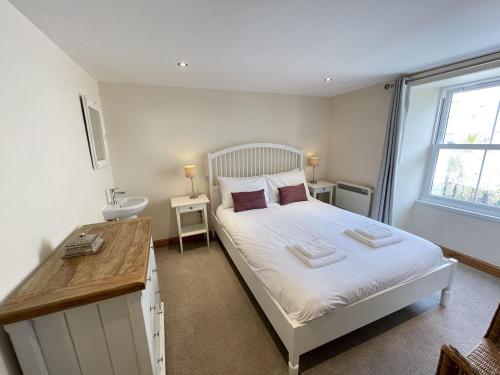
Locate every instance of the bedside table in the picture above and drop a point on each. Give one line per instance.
(184, 205)
(321, 187)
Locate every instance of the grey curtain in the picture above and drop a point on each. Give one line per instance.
(384, 192)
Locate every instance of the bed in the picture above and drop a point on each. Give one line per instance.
(310, 307)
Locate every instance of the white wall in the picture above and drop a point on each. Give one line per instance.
(154, 131)
(475, 237)
(472, 236)
(47, 184)
(417, 138)
(359, 119)
(356, 139)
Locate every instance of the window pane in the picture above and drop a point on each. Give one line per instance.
(489, 188)
(456, 174)
(472, 116)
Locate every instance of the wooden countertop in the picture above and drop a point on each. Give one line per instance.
(120, 267)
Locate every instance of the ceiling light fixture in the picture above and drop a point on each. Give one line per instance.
(328, 79)
(182, 64)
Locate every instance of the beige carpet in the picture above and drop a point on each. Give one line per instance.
(214, 326)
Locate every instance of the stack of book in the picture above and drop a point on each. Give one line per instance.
(84, 244)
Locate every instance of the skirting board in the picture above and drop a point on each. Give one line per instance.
(175, 240)
(473, 262)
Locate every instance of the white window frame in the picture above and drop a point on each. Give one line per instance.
(436, 145)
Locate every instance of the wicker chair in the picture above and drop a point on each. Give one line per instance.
(483, 359)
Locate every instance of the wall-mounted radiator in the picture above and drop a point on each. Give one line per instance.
(353, 198)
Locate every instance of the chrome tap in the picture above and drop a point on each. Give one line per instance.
(113, 192)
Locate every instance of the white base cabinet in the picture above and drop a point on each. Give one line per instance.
(122, 335)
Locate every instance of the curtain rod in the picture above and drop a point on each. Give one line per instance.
(456, 67)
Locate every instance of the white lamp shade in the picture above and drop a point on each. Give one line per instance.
(190, 171)
(313, 161)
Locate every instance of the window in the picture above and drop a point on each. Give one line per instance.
(464, 165)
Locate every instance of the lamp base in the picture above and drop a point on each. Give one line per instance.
(193, 195)
(313, 182)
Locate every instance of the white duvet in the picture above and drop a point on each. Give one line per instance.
(305, 293)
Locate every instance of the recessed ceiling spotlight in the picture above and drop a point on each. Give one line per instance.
(182, 64)
(328, 79)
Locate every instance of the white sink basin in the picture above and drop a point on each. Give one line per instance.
(126, 207)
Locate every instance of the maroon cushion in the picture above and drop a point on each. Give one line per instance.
(290, 194)
(249, 200)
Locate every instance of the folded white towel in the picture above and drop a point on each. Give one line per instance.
(374, 231)
(316, 248)
(374, 243)
(319, 262)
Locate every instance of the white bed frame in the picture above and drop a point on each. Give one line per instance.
(265, 158)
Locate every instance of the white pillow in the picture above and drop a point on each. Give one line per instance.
(230, 185)
(275, 181)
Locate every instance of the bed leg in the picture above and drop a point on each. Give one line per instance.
(445, 297)
(446, 292)
(293, 364)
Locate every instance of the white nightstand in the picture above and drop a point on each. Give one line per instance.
(184, 205)
(321, 187)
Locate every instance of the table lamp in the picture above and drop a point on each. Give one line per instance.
(313, 162)
(190, 172)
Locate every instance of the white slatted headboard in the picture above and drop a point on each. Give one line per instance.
(253, 159)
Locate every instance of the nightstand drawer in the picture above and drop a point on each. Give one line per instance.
(194, 207)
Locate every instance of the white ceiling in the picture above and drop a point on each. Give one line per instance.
(281, 46)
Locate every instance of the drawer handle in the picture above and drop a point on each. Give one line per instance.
(157, 292)
(159, 360)
(153, 270)
(160, 312)
(156, 334)
(151, 308)
(148, 278)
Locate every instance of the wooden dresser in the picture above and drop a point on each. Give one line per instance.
(92, 315)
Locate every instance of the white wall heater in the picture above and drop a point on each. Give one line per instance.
(353, 198)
